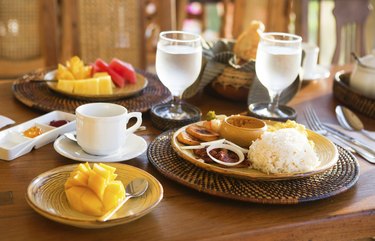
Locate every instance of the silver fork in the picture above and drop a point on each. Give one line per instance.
(315, 124)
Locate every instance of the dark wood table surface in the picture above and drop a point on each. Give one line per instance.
(186, 214)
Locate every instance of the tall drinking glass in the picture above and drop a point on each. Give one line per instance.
(278, 63)
(178, 64)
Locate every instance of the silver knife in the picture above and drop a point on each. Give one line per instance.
(350, 139)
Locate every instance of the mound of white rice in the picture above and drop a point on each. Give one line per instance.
(283, 151)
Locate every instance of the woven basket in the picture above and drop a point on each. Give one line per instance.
(350, 98)
(234, 83)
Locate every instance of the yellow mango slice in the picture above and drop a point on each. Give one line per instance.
(113, 195)
(84, 168)
(91, 204)
(74, 70)
(94, 191)
(97, 183)
(77, 179)
(103, 172)
(110, 169)
(74, 195)
(87, 72)
(75, 65)
(87, 165)
(63, 73)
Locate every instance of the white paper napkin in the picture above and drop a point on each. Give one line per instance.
(4, 121)
(355, 134)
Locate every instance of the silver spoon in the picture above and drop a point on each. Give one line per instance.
(350, 121)
(135, 188)
(71, 136)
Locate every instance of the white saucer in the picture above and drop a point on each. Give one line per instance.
(135, 146)
(320, 72)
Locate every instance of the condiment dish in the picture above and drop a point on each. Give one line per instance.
(242, 130)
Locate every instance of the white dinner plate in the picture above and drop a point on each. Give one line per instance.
(320, 72)
(135, 146)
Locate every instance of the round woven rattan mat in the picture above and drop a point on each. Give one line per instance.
(338, 179)
(37, 95)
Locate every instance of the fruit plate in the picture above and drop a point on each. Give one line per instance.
(46, 195)
(118, 93)
(325, 149)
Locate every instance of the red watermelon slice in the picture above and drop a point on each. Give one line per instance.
(125, 70)
(102, 66)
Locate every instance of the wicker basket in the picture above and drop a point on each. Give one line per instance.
(231, 81)
(233, 84)
(350, 98)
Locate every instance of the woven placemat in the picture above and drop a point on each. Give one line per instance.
(352, 99)
(37, 95)
(336, 180)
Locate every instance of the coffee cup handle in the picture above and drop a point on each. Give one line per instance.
(138, 116)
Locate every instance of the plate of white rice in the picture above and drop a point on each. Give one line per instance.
(286, 151)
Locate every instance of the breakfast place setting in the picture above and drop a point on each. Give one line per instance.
(242, 138)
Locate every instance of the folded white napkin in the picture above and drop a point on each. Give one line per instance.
(4, 121)
(355, 134)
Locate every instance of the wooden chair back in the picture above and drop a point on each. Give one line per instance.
(104, 29)
(28, 36)
(351, 18)
(273, 13)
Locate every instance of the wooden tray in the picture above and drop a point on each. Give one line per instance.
(39, 96)
(352, 99)
(342, 176)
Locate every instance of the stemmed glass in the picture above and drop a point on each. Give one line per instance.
(277, 65)
(178, 64)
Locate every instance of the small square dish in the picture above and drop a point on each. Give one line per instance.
(21, 139)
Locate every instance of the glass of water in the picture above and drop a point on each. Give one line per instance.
(278, 64)
(178, 64)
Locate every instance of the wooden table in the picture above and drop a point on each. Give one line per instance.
(186, 214)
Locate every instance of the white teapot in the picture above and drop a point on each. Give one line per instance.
(362, 78)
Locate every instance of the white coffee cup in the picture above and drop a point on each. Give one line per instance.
(310, 60)
(102, 127)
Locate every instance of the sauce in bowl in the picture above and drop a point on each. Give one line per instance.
(242, 130)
